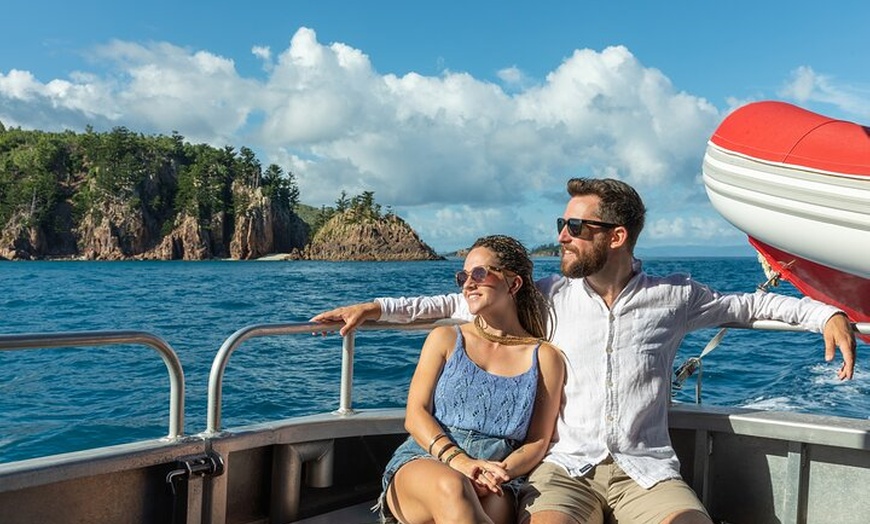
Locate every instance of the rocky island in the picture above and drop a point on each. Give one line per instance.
(367, 238)
(125, 196)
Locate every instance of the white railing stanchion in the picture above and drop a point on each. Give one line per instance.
(345, 401)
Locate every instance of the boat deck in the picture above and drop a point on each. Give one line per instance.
(358, 514)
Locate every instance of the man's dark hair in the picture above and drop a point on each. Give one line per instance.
(620, 203)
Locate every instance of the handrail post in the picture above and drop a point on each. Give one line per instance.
(345, 400)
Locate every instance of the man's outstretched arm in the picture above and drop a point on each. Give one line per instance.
(397, 310)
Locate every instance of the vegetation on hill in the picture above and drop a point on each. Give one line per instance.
(38, 169)
(546, 250)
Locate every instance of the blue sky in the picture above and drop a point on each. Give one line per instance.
(465, 117)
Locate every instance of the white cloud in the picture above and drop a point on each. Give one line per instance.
(18, 85)
(457, 156)
(264, 53)
(806, 86)
(514, 78)
(692, 229)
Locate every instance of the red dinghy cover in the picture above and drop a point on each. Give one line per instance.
(786, 134)
(781, 132)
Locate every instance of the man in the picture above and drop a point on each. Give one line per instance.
(620, 330)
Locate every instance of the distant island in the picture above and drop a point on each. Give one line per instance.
(685, 251)
(547, 250)
(728, 251)
(121, 195)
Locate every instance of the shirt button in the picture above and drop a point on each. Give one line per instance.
(609, 418)
(609, 350)
(609, 384)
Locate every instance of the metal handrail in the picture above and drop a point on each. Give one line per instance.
(107, 338)
(219, 364)
(695, 364)
(775, 325)
(215, 378)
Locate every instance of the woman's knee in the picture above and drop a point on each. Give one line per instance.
(452, 485)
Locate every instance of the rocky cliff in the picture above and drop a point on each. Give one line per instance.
(118, 231)
(354, 236)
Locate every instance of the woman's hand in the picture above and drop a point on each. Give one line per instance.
(486, 476)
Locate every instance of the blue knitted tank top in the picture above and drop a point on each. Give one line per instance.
(468, 397)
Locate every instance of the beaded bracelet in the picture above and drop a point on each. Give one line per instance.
(435, 439)
(451, 456)
(445, 448)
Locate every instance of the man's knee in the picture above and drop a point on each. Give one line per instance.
(687, 517)
(551, 517)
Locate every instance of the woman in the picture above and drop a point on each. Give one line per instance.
(483, 401)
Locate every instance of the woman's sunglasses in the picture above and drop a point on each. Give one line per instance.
(477, 274)
(575, 225)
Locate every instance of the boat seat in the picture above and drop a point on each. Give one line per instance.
(359, 514)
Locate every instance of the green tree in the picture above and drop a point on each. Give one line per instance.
(250, 168)
(365, 207)
(202, 184)
(29, 178)
(282, 189)
(343, 203)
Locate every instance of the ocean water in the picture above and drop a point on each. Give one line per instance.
(67, 399)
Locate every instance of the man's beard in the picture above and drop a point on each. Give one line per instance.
(582, 266)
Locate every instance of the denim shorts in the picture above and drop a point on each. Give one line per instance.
(475, 444)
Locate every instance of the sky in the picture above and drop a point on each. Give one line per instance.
(464, 118)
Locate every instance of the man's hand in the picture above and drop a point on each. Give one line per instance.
(352, 315)
(838, 333)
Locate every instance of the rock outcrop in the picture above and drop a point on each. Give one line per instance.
(188, 240)
(263, 228)
(350, 236)
(117, 231)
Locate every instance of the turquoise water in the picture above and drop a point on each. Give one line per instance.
(59, 400)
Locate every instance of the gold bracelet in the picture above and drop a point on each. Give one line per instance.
(435, 439)
(451, 456)
(445, 448)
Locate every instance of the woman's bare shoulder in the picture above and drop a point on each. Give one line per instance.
(442, 335)
(551, 356)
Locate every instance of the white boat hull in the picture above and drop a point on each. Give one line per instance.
(818, 216)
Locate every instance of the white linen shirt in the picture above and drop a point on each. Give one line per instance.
(619, 361)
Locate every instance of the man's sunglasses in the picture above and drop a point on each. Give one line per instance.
(575, 225)
(477, 274)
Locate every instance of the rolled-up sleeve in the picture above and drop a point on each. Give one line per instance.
(409, 309)
(709, 308)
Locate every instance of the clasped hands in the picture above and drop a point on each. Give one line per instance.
(486, 476)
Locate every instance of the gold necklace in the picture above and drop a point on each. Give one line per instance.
(507, 340)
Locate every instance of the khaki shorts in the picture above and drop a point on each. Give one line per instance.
(605, 494)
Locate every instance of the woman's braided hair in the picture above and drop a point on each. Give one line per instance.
(533, 309)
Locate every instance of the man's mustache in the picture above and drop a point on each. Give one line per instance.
(570, 249)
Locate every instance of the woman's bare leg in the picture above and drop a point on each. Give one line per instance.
(425, 490)
(502, 510)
